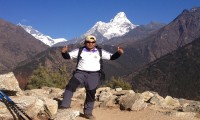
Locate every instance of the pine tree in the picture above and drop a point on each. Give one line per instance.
(44, 76)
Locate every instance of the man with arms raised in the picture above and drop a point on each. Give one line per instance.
(87, 72)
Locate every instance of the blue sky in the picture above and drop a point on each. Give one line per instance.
(72, 18)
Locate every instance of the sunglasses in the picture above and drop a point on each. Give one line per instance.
(90, 42)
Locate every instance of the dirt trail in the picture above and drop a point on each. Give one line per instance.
(146, 114)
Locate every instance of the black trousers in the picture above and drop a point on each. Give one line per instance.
(90, 80)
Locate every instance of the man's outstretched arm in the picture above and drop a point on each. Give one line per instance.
(116, 55)
(64, 52)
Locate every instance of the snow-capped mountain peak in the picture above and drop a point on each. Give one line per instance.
(38, 35)
(117, 26)
(119, 17)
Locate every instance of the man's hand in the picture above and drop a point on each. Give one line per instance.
(120, 50)
(64, 49)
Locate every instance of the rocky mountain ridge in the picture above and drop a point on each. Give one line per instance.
(181, 31)
(173, 74)
(16, 45)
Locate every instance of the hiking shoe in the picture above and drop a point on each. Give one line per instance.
(89, 116)
(62, 107)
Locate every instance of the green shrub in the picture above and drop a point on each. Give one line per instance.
(44, 76)
(118, 83)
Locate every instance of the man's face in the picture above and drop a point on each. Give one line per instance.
(90, 44)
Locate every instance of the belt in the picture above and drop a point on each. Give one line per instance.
(88, 71)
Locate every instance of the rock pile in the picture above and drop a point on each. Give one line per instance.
(42, 104)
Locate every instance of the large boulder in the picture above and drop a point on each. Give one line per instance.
(132, 101)
(8, 82)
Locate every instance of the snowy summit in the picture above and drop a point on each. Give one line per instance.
(115, 28)
(38, 35)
